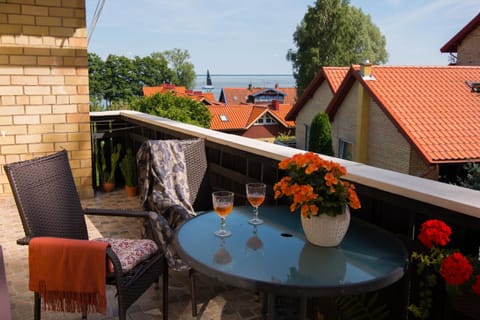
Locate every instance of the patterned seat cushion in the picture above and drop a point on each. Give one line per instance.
(131, 252)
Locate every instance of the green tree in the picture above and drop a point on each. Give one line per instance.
(182, 109)
(320, 138)
(96, 83)
(120, 76)
(151, 70)
(471, 178)
(332, 33)
(116, 80)
(184, 74)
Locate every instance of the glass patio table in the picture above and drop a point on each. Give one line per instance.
(276, 259)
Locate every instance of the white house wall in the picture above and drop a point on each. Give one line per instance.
(344, 123)
(387, 148)
(316, 104)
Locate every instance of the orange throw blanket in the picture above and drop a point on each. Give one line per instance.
(69, 274)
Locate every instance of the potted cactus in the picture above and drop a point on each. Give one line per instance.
(108, 172)
(128, 167)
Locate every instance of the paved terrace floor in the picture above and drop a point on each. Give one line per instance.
(215, 301)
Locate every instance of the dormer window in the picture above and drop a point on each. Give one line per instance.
(266, 96)
(266, 119)
(474, 85)
(224, 118)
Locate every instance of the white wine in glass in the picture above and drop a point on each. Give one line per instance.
(255, 196)
(223, 205)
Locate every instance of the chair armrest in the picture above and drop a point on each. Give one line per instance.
(116, 212)
(24, 241)
(117, 266)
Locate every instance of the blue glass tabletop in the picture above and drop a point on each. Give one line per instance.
(276, 257)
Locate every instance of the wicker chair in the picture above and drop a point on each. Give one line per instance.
(48, 203)
(199, 186)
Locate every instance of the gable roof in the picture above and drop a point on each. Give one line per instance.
(432, 106)
(207, 98)
(268, 91)
(232, 96)
(334, 77)
(452, 44)
(242, 117)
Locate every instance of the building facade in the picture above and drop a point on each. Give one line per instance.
(44, 101)
(464, 47)
(390, 117)
(314, 100)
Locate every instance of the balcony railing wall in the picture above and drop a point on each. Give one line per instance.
(394, 201)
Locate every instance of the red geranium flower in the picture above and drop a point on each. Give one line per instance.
(476, 285)
(434, 232)
(456, 269)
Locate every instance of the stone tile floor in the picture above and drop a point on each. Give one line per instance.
(215, 300)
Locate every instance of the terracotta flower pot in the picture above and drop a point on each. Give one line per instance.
(131, 191)
(108, 186)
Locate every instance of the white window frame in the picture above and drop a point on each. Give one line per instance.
(345, 149)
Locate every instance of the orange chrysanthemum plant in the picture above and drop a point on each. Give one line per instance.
(314, 186)
(456, 270)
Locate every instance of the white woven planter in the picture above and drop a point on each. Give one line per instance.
(326, 231)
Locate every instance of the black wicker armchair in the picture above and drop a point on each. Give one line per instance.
(199, 187)
(48, 203)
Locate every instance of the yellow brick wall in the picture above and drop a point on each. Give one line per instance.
(44, 101)
(318, 103)
(344, 123)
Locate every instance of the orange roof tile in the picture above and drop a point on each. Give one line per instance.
(164, 88)
(334, 77)
(452, 44)
(240, 95)
(281, 113)
(432, 106)
(232, 117)
(243, 116)
(206, 97)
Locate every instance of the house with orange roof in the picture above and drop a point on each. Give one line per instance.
(207, 98)
(464, 47)
(253, 121)
(255, 95)
(314, 99)
(418, 120)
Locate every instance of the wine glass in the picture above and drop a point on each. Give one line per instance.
(256, 196)
(254, 243)
(222, 256)
(223, 205)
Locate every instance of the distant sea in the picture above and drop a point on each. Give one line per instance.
(220, 81)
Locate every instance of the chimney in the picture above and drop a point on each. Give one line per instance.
(276, 85)
(366, 70)
(275, 104)
(250, 86)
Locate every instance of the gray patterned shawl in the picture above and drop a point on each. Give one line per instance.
(163, 188)
(163, 176)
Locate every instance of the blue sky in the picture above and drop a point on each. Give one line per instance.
(253, 36)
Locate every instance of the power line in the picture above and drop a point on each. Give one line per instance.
(96, 16)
